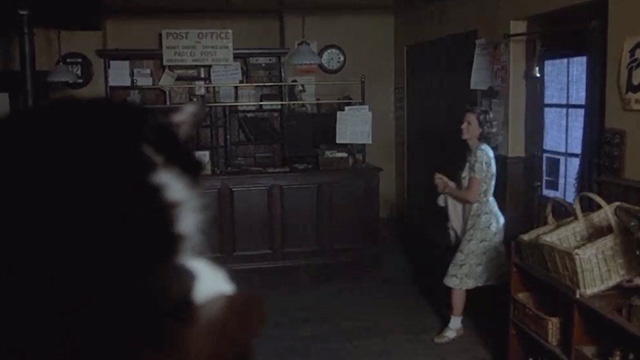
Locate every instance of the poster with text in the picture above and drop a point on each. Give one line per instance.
(482, 71)
(197, 47)
(630, 73)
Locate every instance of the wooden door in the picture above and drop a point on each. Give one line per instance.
(438, 77)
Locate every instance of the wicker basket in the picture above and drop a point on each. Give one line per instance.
(591, 254)
(527, 312)
(530, 249)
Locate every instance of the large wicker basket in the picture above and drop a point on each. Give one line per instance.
(527, 311)
(530, 249)
(591, 254)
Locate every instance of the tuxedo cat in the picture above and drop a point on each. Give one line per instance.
(105, 237)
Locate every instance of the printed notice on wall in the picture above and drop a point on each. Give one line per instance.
(482, 71)
(353, 126)
(630, 74)
(226, 74)
(197, 47)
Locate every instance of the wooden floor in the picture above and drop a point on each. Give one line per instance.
(374, 311)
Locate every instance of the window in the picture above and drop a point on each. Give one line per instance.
(565, 82)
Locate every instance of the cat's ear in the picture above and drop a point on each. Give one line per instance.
(186, 119)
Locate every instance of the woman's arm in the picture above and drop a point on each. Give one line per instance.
(468, 195)
(479, 167)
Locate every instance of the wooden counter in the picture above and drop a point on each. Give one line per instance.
(293, 218)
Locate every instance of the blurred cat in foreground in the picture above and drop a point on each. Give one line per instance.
(105, 240)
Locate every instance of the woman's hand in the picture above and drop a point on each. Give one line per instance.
(443, 184)
(467, 195)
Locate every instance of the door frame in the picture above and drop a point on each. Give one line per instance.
(550, 25)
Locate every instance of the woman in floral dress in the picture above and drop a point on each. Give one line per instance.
(480, 259)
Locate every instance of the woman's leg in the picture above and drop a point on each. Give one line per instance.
(454, 328)
(458, 299)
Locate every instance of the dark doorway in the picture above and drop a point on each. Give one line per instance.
(438, 77)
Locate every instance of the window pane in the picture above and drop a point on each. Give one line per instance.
(552, 173)
(555, 81)
(576, 130)
(572, 172)
(555, 129)
(578, 80)
(554, 182)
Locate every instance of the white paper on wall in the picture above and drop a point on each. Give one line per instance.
(226, 74)
(482, 71)
(353, 127)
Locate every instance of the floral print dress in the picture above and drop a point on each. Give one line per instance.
(481, 257)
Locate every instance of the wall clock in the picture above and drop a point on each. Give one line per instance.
(332, 59)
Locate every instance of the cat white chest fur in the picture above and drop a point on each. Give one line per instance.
(189, 224)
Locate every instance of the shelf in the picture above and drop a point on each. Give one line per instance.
(547, 278)
(234, 111)
(554, 349)
(192, 78)
(150, 54)
(263, 103)
(235, 85)
(601, 304)
(255, 143)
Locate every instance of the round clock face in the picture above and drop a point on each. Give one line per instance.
(333, 59)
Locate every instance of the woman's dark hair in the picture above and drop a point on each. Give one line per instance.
(490, 132)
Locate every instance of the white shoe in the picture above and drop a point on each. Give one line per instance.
(448, 335)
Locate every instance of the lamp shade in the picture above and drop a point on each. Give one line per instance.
(304, 55)
(62, 74)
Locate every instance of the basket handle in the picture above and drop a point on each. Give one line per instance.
(549, 210)
(600, 202)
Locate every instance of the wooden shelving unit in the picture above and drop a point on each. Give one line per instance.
(601, 305)
(546, 278)
(251, 132)
(588, 323)
(553, 349)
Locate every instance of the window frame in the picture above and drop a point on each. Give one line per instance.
(566, 155)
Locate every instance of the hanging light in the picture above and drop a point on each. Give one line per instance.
(303, 57)
(535, 71)
(61, 74)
